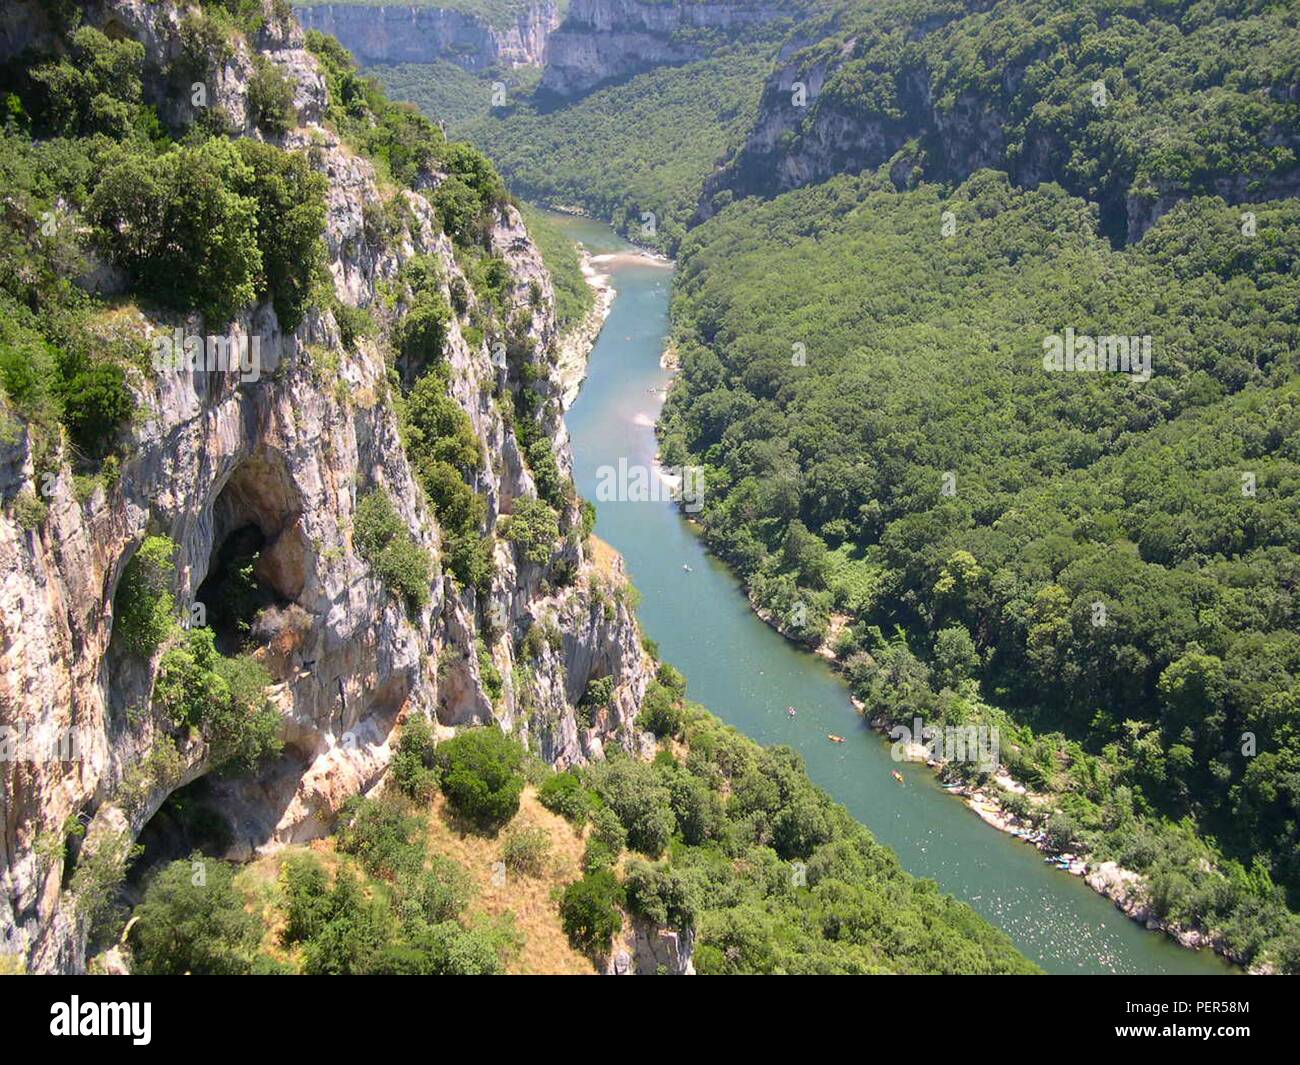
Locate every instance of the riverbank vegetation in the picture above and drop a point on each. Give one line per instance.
(881, 438)
(717, 838)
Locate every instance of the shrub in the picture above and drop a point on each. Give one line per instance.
(589, 911)
(224, 698)
(384, 541)
(384, 834)
(439, 893)
(526, 850)
(660, 894)
(599, 694)
(563, 794)
(661, 713)
(533, 529)
(481, 775)
(413, 764)
(192, 920)
(143, 606)
(95, 402)
(305, 886)
(270, 94)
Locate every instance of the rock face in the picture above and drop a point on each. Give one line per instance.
(604, 40)
(412, 33)
(803, 136)
(288, 453)
(646, 949)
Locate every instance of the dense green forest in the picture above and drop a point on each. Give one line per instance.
(659, 136)
(1110, 561)
(1124, 102)
(716, 837)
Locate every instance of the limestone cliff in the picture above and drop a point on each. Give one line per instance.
(853, 101)
(410, 33)
(289, 453)
(605, 40)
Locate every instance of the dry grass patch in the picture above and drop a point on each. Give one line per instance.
(529, 899)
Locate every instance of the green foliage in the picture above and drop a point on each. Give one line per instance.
(589, 911)
(413, 763)
(192, 921)
(661, 710)
(533, 528)
(526, 850)
(97, 880)
(406, 144)
(574, 298)
(482, 775)
(384, 541)
(826, 478)
(143, 606)
(270, 95)
(223, 698)
(406, 921)
(211, 226)
(623, 152)
(564, 794)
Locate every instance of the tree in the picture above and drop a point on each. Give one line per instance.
(589, 911)
(482, 775)
(192, 920)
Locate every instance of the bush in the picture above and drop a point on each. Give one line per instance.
(481, 775)
(143, 606)
(305, 886)
(192, 920)
(563, 794)
(223, 698)
(661, 713)
(270, 94)
(599, 695)
(589, 911)
(385, 542)
(660, 894)
(95, 402)
(384, 834)
(413, 764)
(526, 850)
(533, 529)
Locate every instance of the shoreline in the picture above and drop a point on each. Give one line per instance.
(575, 346)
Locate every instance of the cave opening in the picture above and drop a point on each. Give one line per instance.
(233, 594)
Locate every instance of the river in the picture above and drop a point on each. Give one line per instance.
(747, 674)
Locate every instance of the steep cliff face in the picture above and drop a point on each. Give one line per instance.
(288, 454)
(415, 34)
(604, 40)
(858, 100)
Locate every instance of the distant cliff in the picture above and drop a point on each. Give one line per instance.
(604, 40)
(414, 34)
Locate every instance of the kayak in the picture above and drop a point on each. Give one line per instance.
(834, 738)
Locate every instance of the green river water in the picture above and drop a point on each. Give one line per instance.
(747, 674)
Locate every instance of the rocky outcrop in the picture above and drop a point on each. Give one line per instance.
(606, 40)
(412, 33)
(288, 453)
(646, 949)
(837, 108)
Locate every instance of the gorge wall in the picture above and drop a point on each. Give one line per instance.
(606, 40)
(417, 34)
(289, 453)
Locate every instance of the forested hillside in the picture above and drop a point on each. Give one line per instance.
(1132, 105)
(1104, 564)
